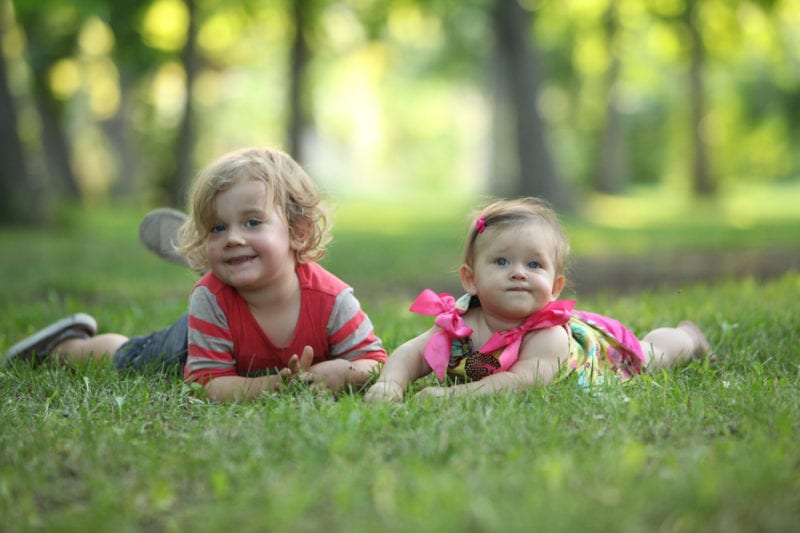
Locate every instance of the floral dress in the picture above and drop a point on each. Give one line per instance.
(600, 348)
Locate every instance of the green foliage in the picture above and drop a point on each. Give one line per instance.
(400, 93)
(707, 447)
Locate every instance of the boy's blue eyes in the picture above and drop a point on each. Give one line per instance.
(250, 223)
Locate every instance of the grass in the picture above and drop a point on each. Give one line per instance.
(700, 448)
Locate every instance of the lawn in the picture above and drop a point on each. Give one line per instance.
(707, 447)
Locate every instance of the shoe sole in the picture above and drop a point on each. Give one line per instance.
(47, 334)
(158, 232)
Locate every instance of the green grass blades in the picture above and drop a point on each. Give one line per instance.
(705, 447)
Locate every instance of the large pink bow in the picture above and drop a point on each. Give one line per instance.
(448, 319)
(553, 314)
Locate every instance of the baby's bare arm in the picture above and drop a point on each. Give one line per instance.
(406, 364)
(540, 355)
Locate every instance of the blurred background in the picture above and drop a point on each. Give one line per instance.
(622, 113)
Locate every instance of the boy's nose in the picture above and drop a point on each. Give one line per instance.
(234, 237)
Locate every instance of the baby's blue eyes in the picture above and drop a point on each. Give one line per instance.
(502, 261)
(217, 228)
(252, 223)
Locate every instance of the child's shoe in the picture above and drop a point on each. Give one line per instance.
(39, 345)
(158, 231)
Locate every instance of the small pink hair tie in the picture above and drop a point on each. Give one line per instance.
(480, 224)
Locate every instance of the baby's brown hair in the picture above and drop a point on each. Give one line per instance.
(518, 211)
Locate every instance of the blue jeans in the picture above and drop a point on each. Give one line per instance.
(163, 350)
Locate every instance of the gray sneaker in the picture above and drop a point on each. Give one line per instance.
(158, 232)
(39, 345)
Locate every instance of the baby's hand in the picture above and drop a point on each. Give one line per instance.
(385, 391)
(433, 392)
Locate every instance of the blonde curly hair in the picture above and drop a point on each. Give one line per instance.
(515, 212)
(289, 187)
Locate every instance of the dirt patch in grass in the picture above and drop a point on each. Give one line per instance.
(629, 274)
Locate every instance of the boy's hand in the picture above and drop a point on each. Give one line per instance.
(385, 391)
(297, 367)
(329, 376)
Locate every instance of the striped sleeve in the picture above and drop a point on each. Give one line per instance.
(350, 331)
(210, 339)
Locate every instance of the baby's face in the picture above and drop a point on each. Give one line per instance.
(514, 271)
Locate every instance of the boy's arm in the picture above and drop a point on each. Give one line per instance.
(336, 374)
(238, 388)
(540, 356)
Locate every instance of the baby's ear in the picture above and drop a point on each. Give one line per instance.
(558, 286)
(468, 280)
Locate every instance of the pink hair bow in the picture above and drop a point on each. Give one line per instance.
(480, 224)
(553, 314)
(448, 319)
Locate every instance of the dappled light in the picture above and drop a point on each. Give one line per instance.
(65, 78)
(664, 134)
(411, 101)
(167, 94)
(164, 25)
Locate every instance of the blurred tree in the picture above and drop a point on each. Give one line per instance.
(610, 176)
(519, 75)
(17, 202)
(178, 187)
(134, 61)
(702, 182)
(51, 29)
(299, 114)
(685, 17)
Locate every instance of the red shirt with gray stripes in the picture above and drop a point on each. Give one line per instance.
(226, 340)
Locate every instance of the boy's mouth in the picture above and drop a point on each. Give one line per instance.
(238, 260)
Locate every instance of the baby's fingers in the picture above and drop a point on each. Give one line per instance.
(384, 392)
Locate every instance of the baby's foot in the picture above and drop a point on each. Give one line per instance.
(702, 348)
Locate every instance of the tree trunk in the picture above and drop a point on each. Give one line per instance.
(18, 204)
(118, 130)
(536, 174)
(45, 48)
(702, 183)
(179, 186)
(298, 118)
(611, 175)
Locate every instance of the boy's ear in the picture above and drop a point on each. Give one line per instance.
(299, 234)
(558, 286)
(468, 280)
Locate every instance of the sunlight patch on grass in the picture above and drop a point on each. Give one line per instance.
(739, 207)
(751, 204)
(402, 214)
(635, 210)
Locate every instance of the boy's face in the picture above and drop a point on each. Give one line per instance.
(249, 247)
(513, 272)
